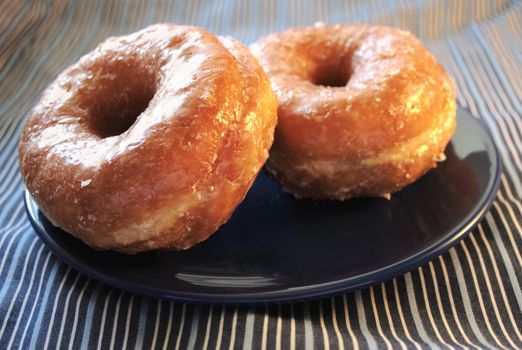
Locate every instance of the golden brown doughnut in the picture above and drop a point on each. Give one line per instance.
(151, 140)
(363, 110)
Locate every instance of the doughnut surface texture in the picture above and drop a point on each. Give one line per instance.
(363, 110)
(151, 140)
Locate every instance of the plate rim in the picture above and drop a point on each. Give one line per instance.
(336, 287)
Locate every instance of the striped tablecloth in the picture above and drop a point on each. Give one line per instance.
(468, 298)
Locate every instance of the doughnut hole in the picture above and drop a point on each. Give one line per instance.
(331, 72)
(119, 93)
(330, 76)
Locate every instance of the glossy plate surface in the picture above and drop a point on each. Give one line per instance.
(276, 247)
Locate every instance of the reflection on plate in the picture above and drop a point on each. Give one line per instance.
(276, 247)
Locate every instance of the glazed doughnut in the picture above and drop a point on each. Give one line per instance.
(151, 140)
(363, 110)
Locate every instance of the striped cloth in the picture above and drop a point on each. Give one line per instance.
(469, 297)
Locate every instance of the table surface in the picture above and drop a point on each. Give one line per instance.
(469, 297)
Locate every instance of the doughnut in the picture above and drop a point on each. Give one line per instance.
(151, 140)
(363, 110)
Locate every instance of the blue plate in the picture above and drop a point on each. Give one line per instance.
(276, 247)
